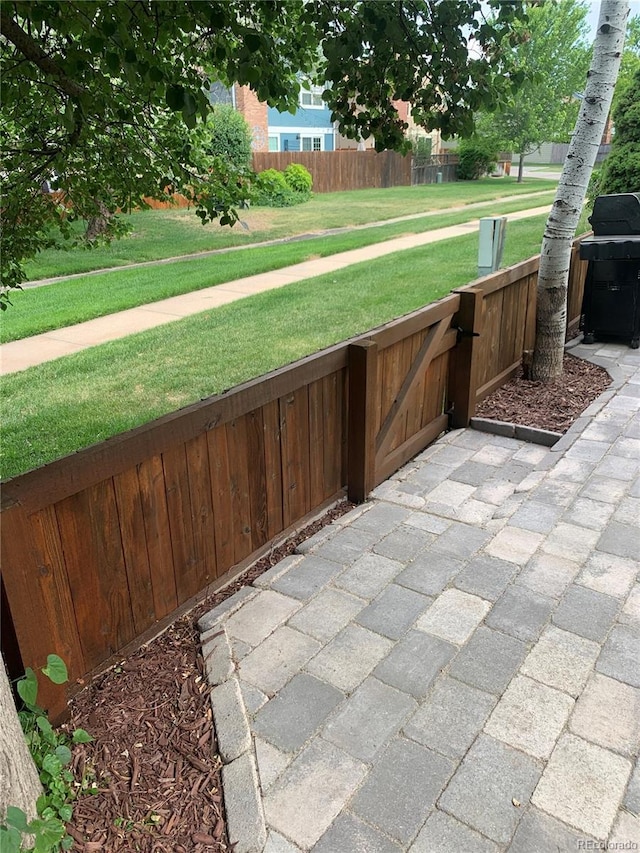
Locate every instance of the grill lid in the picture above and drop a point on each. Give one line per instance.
(616, 214)
(610, 248)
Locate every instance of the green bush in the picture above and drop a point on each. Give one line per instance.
(621, 170)
(228, 135)
(477, 157)
(298, 179)
(273, 188)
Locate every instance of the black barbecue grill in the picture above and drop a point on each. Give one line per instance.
(611, 302)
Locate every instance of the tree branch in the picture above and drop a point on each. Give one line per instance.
(32, 51)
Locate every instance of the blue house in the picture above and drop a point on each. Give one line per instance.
(309, 129)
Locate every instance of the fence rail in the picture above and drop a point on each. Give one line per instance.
(103, 547)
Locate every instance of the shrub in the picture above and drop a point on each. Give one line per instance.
(298, 179)
(621, 170)
(274, 188)
(477, 157)
(228, 136)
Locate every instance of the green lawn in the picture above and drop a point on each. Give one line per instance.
(166, 233)
(72, 402)
(63, 303)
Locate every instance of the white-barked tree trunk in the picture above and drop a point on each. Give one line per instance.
(19, 782)
(553, 276)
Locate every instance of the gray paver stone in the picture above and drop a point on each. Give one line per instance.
(326, 614)
(605, 489)
(521, 612)
(454, 616)
(536, 516)
(382, 518)
(451, 717)
(216, 655)
(583, 785)
(483, 789)
(620, 656)
(323, 778)
(229, 605)
(404, 543)
(388, 798)
(271, 664)
(540, 833)
(349, 658)
(277, 843)
(245, 818)
(394, 611)
(430, 573)
(265, 580)
(271, 762)
(632, 796)
(368, 575)
(530, 716)
(347, 545)
(589, 513)
(608, 714)
(307, 577)
(548, 575)
(230, 717)
(473, 473)
(299, 709)
(514, 545)
(415, 662)
(253, 698)
(369, 718)
(486, 576)
(586, 612)
(562, 660)
(348, 833)
(609, 574)
(489, 660)
(444, 834)
(461, 540)
(259, 617)
(620, 539)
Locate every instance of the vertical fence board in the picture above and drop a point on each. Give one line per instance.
(197, 453)
(257, 480)
(221, 495)
(333, 432)
(158, 537)
(134, 547)
(90, 536)
(239, 477)
(294, 429)
(316, 444)
(273, 467)
(176, 478)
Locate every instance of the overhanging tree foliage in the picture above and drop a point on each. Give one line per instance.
(621, 170)
(96, 95)
(553, 274)
(553, 54)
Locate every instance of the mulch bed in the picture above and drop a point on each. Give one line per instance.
(554, 406)
(154, 755)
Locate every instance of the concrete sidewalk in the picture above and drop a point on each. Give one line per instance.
(28, 352)
(455, 665)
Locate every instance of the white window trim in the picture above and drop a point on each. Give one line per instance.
(312, 91)
(312, 136)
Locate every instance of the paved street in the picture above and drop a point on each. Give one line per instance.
(455, 665)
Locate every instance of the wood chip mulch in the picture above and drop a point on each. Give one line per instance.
(554, 406)
(154, 756)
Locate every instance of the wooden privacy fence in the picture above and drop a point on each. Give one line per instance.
(102, 548)
(334, 171)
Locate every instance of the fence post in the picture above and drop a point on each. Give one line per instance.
(463, 382)
(361, 445)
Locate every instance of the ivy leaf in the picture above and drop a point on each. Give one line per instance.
(10, 840)
(28, 687)
(56, 669)
(63, 753)
(81, 736)
(16, 818)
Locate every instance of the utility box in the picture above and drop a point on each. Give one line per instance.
(611, 302)
(492, 233)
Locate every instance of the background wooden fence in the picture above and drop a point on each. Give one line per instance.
(102, 548)
(334, 171)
